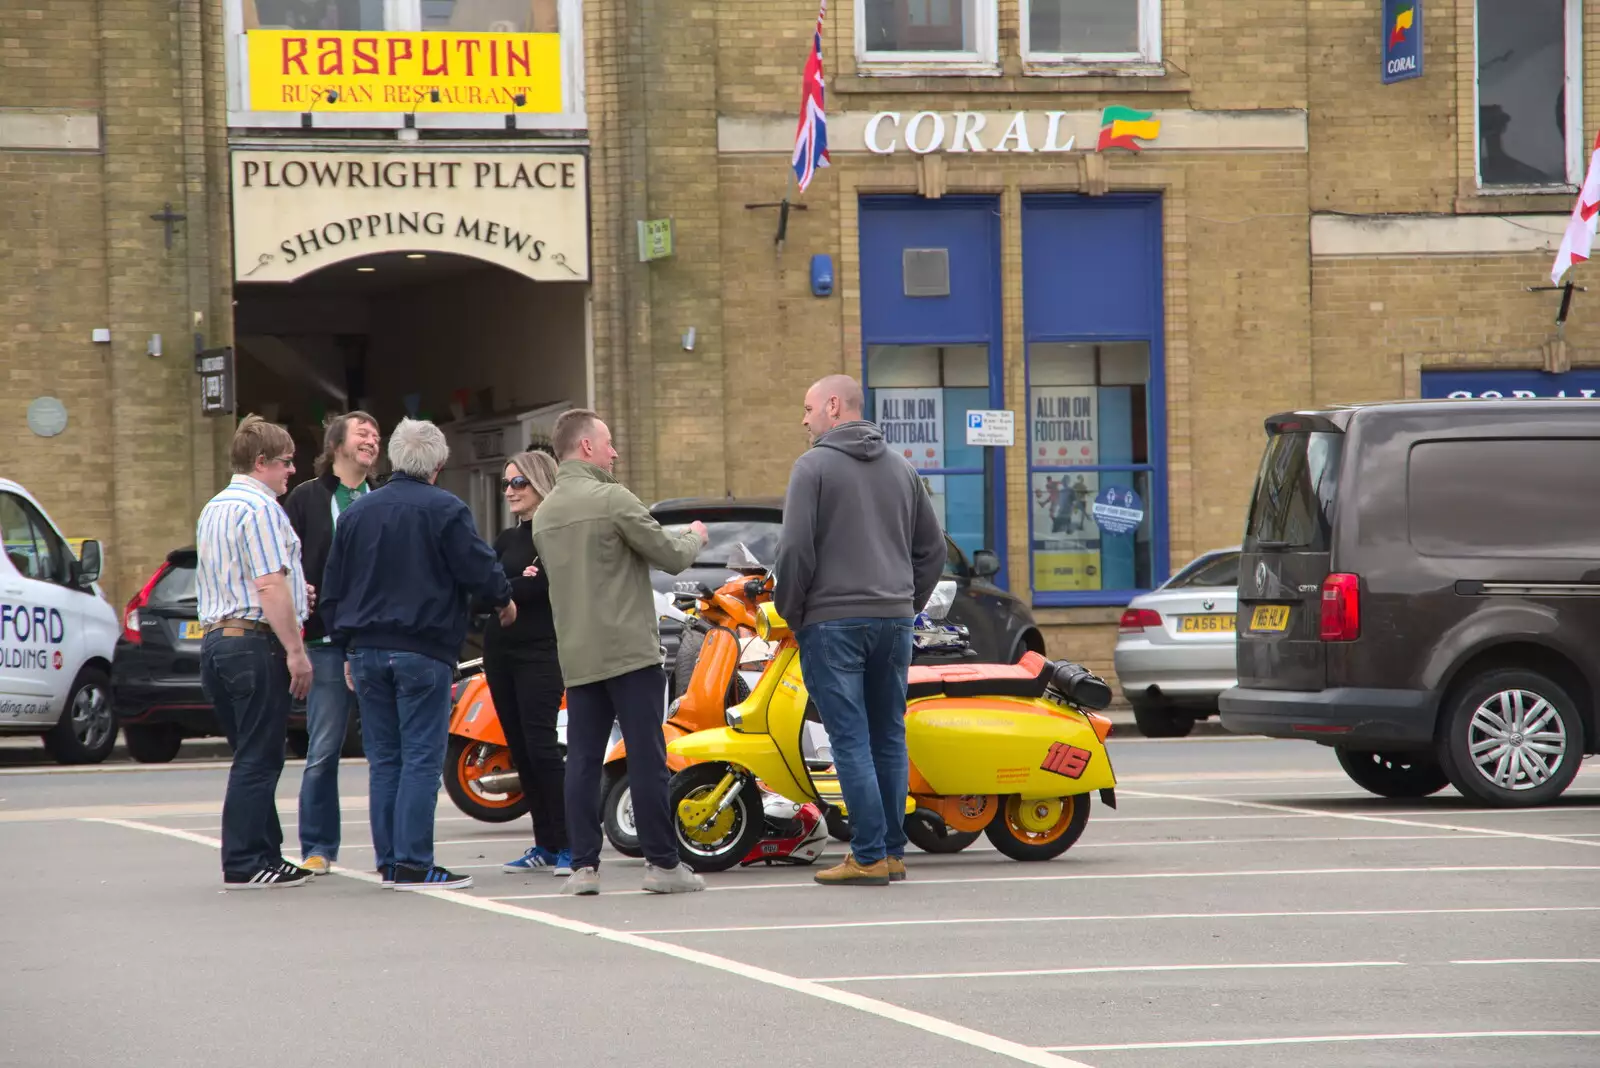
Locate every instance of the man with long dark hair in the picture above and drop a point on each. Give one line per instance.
(349, 453)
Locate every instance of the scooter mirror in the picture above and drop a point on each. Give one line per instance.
(944, 595)
(665, 609)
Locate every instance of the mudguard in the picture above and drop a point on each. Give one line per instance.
(474, 716)
(756, 753)
(998, 745)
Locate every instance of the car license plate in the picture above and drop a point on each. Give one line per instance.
(193, 630)
(1211, 624)
(1270, 617)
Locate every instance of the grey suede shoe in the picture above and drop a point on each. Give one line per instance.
(582, 881)
(674, 880)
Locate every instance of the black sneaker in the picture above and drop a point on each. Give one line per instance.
(386, 873)
(434, 878)
(275, 877)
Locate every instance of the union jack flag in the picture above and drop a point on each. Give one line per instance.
(811, 138)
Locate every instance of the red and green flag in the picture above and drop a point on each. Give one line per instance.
(1119, 126)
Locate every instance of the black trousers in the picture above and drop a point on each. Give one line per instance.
(527, 698)
(636, 701)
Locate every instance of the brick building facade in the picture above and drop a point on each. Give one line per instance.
(1283, 229)
(1296, 231)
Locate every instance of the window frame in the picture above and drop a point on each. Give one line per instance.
(1572, 28)
(1147, 60)
(405, 16)
(984, 60)
(1154, 469)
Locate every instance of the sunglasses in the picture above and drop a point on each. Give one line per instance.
(518, 483)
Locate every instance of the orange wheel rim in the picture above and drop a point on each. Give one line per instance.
(469, 769)
(1014, 808)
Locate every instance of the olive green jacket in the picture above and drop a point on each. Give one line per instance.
(597, 543)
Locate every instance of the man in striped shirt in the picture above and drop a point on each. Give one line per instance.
(253, 603)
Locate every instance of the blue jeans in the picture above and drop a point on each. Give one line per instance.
(327, 719)
(246, 679)
(855, 671)
(405, 722)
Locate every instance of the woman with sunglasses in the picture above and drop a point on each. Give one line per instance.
(524, 676)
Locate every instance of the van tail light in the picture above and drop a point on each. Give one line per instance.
(130, 615)
(1134, 620)
(1341, 608)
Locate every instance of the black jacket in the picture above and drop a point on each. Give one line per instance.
(405, 566)
(310, 508)
(533, 635)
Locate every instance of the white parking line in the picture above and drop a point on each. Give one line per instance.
(1134, 876)
(1534, 960)
(1023, 973)
(909, 1017)
(1390, 820)
(1420, 1036)
(1136, 917)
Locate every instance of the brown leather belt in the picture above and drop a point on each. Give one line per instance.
(238, 628)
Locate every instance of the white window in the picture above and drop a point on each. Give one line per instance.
(918, 36)
(1529, 94)
(1092, 32)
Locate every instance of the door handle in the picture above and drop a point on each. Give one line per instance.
(15, 591)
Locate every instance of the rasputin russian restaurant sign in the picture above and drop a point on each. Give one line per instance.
(1402, 40)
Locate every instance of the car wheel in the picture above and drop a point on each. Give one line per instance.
(88, 727)
(299, 744)
(1161, 721)
(1511, 738)
(1394, 774)
(155, 743)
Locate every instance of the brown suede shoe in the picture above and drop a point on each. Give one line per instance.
(897, 869)
(852, 874)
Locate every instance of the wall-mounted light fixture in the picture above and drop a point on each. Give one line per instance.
(331, 96)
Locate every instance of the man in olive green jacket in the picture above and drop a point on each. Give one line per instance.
(597, 542)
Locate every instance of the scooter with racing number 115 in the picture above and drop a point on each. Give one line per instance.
(1012, 750)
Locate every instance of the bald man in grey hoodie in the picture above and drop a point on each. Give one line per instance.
(860, 555)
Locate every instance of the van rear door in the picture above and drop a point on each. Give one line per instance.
(1286, 555)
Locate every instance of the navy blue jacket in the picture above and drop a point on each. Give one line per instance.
(405, 564)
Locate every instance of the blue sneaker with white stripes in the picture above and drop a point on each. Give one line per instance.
(535, 857)
(434, 878)
(564, 862)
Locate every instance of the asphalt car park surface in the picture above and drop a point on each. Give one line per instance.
(1245, 904)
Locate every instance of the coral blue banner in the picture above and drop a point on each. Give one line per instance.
(1443, 385)
(1402, 40)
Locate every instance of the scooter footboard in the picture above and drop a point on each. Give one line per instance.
(997, 745)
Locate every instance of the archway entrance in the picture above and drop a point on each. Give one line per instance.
(487, 353)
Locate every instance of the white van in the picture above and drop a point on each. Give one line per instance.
(57, 636)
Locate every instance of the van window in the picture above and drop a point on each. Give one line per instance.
(1521, 498)
(1295, 491)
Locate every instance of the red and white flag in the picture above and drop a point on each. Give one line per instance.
(811, 136)
(1575, 244)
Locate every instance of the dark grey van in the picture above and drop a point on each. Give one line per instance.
(1420, 589)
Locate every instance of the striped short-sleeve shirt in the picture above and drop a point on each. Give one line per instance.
(243, 533)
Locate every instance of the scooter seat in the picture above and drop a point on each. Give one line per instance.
(1027, 678)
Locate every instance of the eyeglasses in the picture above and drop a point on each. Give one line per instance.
(287, 461)
(517, 483)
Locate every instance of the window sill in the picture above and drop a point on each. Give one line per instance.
(1472, 201)
(1035, 80)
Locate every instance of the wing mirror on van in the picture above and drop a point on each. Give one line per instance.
(89, 564)
(985, 563)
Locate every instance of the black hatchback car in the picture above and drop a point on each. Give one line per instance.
(1000, 625)
(155, 674)
(1420, 589)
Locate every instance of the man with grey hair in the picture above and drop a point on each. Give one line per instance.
(405, 564)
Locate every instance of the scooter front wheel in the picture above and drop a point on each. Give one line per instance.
(1038, 829)
(728, 837)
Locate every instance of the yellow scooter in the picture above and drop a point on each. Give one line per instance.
(1013, 750)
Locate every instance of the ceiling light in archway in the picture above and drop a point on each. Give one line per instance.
(366, 270)
(416, 255)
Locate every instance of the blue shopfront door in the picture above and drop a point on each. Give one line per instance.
(931, 340)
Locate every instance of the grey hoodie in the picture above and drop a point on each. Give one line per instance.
(860, 537)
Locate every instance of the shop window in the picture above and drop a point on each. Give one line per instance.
(1092, 31)
(495, 16)
(931, 33)
(1529, 55)
(1090, 475)
(919, 395)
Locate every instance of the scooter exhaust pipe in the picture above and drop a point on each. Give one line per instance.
(500, 782)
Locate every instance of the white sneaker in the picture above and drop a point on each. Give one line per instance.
(583, 881)
(674, 880)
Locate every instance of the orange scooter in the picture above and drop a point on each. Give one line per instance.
(724, 621)
(479, 774)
